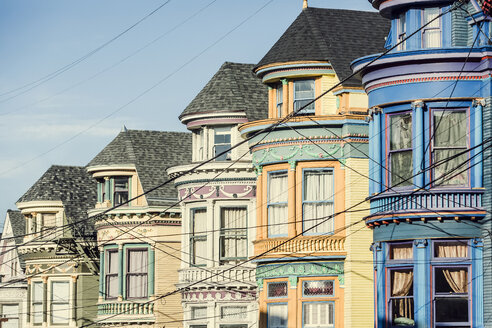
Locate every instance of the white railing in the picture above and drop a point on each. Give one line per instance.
(218, 275)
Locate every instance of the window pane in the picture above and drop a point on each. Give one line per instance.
(199, 224)
(136, 285)
(401, 168)
(430, 14)
(234, 312)
(277, 289)
(451, 249)
(304, 89)
(37, 292)
(317, 288)
(401, 252)
(137, 261)
(450, 169)
(60, 292)
(10, 310)
(318, 213)
(233, 241)
(112, 286)
(277, 315)
(402, 312)
(11, 323)
(450, 129)
(277, 220)
(318, 185)
(60, 313)
(112, 264)
(451, 281)
(318, 314)
(402, 282)
(277, 195)
(277, 187)
(198, 312)
(451, 309)
(37, 313)
(49, 220)
(401, 131)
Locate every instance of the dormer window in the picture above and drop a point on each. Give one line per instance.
(431, 34)
(115, 190)
(402, 30)
(303, 94)
(120, 190)
(222, 143)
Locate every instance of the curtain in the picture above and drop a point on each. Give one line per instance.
(233, 234)
(318, 314)
(277, 203)
(400, 252)
(401, 284)
(199, 236)
(319, 194)
(137, 273)
(60, 298)
(432, 32)
(457, 279)
(401, 138)
(452, 249)
(112, 286)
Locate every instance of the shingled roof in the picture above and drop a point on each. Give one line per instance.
(74, 187)
(18, 224)
(335, 35)
(152, 152)
(233, 88)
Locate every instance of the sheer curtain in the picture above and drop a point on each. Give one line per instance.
(277, 203)
(432, 32)
(401, 159)
(318, 201)
(233, 233)
(402, 282)
(401, 252)
(199, 236)
(112, 274)
(137, 273)
(60, 298)
(457, 278)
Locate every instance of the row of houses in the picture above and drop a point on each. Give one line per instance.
(266, 213)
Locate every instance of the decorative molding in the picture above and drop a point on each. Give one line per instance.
(417, 103)
(420, 243)
(298, 152)
(478, 101)
(376, 247)
(218, 295)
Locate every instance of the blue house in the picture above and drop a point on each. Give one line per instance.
(430, 165)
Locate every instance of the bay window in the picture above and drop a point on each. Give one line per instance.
(111, 274)
(401, 303)
(198, 237)
(449, 148)
(431, 34)
(136, 273)
(279, 92)
(277, 196)
(60, 302)
(233, 234)
(37, 302)
(10, 312)
(318, 201)
(400, 149)
(277, 315)
(303, 94)
(222, 143)
(318, 314)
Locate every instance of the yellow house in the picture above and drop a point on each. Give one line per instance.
(314, 266)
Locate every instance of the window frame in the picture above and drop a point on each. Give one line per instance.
(228, 155)
(390, 152)
(399, 261)
(332, 303)
(122, 191)
(37, 302)
(401, 31)
(18, 317)
(270, 204)
(269, 305)
(279, 99)
(239, 234)
(304, 202)
(389, 298)
(53, 300)
(425, 29)
(193, 237)
(305, 111)
(302, 282)
(277, 282)
(462, 148)
(128, 274)
(112, 274)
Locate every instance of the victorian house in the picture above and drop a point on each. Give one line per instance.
(13, 286)
(430, 198)
(58, 249)
(138, 223)
(313, 258)
(218, 202)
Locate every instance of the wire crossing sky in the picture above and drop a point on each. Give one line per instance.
(40, 37)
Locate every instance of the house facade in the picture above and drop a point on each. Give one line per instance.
(430, 124)
(218, 202)
(311, 255)
(138, 237)
(59, 249)
(13, 286)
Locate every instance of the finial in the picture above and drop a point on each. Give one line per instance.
(124, 129)
(304, 4)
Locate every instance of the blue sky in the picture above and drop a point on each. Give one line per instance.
(63, 121)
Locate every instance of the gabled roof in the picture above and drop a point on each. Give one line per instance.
(233, 88)
(71, 185)
(335, 35)
(152, 152)
(18, 224)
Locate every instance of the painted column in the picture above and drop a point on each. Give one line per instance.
(418, 143)
(271, 97)
(28, 307)
(477, 281)
(421, 283)
(74, 299)
(291, 183)
(102, 274)
(107, 190)
(151, 270)
(45, 300)
(371, 155)
(478, 136)
(120, 272)
(379, 259)
(285, 91)
(377, 151)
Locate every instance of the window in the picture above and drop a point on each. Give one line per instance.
(280, 99)
(318, 314)
(233, 234)
(314, 288)
(199, 144)
(222, 143)
(277, 289)
(303, 94)
(234, 312)
(37, 302)
(450, 139)
(101, 191)
(198, 237)
(277, 315)
(401, 251)
(198, 313)
(400, 150)
(11, 312)
(136, 273)
(112, 274)
(48, 225)
(120, 195)
(431, 34)
(318, 201)
(402, 30)
(277, 204)
(401, 297)
(60, 302)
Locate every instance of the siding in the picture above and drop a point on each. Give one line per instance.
(328, 102)
(459, 29)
